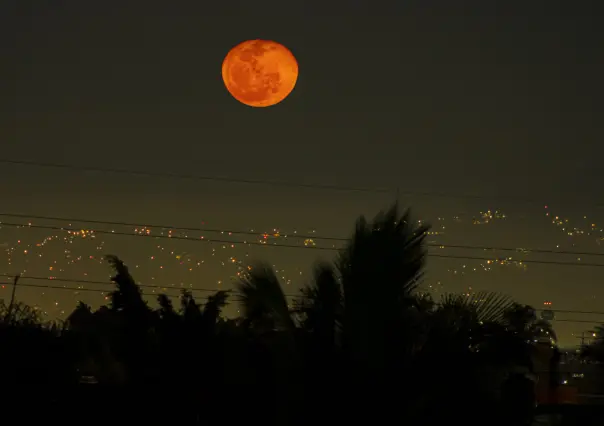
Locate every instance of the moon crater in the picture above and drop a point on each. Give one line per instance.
(260, 73)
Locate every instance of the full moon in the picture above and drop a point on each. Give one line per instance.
(260, 73)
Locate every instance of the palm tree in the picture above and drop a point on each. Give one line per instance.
(127, 297)
(132, 341)
(319, 309)
(265, 306)
(380, 270)
(450, 352)
(357, 306)
(212, 310)
(527, 336)
(115, 339)
(462, 325)
(267, 318)
(366, 312)
(374, 277)
(191, 349)
(166, 309)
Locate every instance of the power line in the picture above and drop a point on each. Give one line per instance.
(71, 280)
(542, 262)
(210, 290)
(573, 311)
(95, 290)
(142, 224)
(295, 235)
(341, 188)
(495, 248)
(111, 283)
(577, 321)
(75, 289)
(196, 177)
(249, 243)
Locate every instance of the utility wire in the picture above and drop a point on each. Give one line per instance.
(111, 283)
(95, 290)
(210, 290)
(294, 235)
(541, 262)
(250, 243)
(75, 289)
(393, 191)
(195, 177)
(72, 280)
(142, 224)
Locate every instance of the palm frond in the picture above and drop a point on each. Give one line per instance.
(213, 307)
(424, 302)
(127, 294)
(320, 306)
(190, 309)
(81, 316)
(165, 304)
(384, 259)
(380, 269)
(484, 306)
(519, 318)
(262, 297)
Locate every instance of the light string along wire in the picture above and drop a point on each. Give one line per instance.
(275, 245)
(165, 288)
(252, 243)
(293, 235)
(286, 184)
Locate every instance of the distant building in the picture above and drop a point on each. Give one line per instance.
(547, 313)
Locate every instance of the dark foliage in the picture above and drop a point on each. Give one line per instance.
(361, 342)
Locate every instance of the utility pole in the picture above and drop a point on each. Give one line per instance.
(12, 298)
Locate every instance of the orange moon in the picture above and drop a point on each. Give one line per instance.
(260, 73)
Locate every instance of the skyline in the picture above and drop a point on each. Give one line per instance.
(496, 101)
(444, 275)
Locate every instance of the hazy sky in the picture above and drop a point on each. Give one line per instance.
(487, 97)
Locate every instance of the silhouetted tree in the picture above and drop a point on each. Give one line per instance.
(359, 306)
(380, 269)
(360, 342)
(595, 350)
(365, 312)
(319, 309)
(450, 362)
(20, 314)
(524, 333)
(33, 350)
(267, 317)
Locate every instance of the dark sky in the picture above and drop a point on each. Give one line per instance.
(495, 98)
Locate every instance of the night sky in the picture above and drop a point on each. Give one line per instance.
(497, 100)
